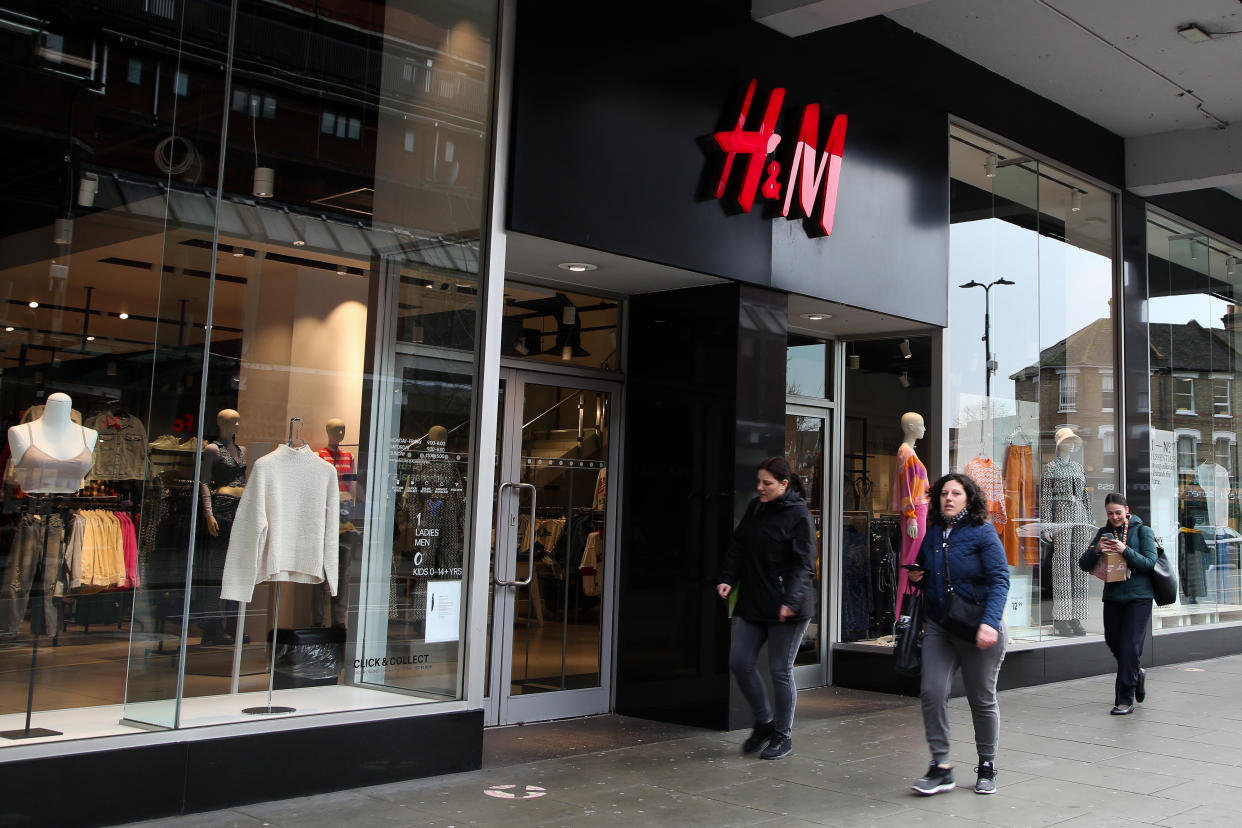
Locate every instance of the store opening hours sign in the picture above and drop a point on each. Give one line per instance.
(813, 176)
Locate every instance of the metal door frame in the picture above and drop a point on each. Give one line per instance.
(818, 675)
(501, 708)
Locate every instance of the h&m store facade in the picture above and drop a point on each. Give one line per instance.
(543, 300)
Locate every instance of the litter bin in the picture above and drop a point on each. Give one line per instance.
(309, 656)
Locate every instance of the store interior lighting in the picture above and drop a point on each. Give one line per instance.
(905, 349)
(63, 231)
(264, 182)
(1231, 264)
(1075, 201)
(88, 186)
(989, 166)
(904, 379)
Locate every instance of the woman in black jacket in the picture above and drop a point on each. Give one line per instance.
(1127, 604)
(771, 563)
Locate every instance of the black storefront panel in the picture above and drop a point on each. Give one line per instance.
(615, 148)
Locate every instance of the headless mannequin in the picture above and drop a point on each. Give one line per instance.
(222, 477)
(910, 497)
(58, 438)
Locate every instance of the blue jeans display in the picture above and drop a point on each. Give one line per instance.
(38, 540)
(783, 640)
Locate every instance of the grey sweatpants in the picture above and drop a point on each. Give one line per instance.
(942, 655)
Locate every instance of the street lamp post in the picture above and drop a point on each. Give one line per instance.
(989, 366)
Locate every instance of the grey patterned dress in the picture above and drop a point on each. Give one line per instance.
(1063, 500)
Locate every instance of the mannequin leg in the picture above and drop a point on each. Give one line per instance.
(909, 551)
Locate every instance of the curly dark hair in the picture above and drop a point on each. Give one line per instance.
(976, 503)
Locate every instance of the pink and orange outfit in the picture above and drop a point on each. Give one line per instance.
(910, 497)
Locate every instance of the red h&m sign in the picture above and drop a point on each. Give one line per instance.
(809, 171)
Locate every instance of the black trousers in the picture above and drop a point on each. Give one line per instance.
(1125, 629)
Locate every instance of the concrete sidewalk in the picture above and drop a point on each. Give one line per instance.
(1063, 760)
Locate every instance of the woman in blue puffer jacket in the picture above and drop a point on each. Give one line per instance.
(960, 534)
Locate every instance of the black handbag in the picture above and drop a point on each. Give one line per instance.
(908, 635)
(960, 617)
(1163, 581)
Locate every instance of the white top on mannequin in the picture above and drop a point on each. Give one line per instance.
(1214, 480)
(64, 449)
(913, 428)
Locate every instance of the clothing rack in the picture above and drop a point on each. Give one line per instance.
(46, 505)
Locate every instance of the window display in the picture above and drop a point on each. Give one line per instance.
(885, 485)
(1194, 335)
(1031, 413)
(214, 504)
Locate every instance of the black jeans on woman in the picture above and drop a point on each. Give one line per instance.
(1125, 630)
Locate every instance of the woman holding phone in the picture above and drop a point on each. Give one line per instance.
(1127, 604)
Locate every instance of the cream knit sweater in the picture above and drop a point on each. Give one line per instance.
(286, 524)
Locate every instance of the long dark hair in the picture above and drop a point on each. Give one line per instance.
(976, 505)
(778, 467)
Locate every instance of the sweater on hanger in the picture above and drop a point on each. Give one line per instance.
(286, 528)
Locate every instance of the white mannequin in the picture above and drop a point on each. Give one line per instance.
(227, 421)
(913, 428)
(56, 435)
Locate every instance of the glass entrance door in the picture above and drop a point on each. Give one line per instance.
(551, 630)
(806, 441)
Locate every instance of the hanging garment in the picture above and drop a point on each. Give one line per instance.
(1193, 555)
(592, 566)
(910, 497)
(1019, 506)
(286, 528)
(121, 451)
(601, 491)
(1065, 509)
(38, 541)
(987, 476)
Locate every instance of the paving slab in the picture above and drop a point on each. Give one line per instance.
(1063, 761)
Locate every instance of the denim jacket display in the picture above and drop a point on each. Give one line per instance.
(121, 452)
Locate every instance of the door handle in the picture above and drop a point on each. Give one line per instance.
(530, 548)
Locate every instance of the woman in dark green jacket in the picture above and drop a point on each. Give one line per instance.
(1127, 604)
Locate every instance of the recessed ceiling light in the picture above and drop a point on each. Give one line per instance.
(299, 242)
(90, 339)
(815, 317)
(9, 329)
(577, 267)
(123, 315)
(34, 304)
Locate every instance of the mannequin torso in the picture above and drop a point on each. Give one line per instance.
(52, 453)
(223, 470)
